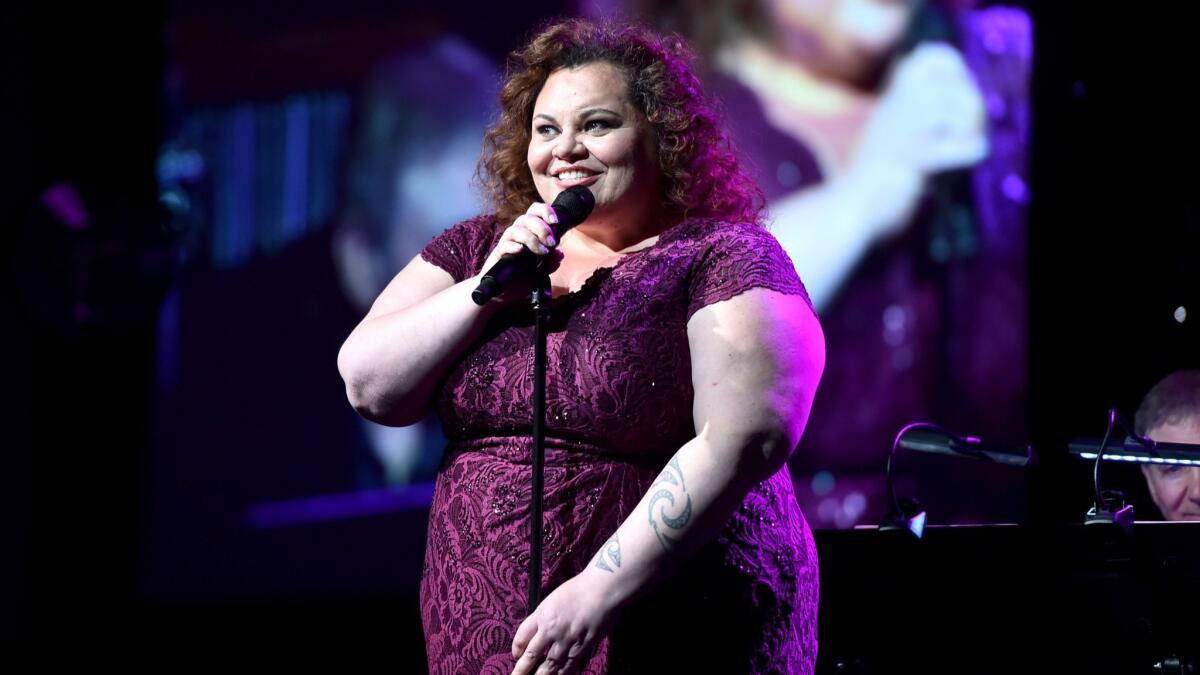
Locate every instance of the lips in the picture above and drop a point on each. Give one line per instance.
(573, 172)
(570, 178)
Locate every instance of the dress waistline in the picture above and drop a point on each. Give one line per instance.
(559, 452)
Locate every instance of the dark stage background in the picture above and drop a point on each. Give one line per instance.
(195, 202)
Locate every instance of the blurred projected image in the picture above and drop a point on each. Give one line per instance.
(414, 156)
(294, 212)
(890, 140)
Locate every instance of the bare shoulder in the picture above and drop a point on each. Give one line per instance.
(758, 320)
(757, 359)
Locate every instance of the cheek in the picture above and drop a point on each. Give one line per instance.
(532, 158)
(632, 154)
(650, 153)
(1171, 491)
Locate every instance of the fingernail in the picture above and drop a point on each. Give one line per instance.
(543, 249)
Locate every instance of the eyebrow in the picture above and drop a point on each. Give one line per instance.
(587, 112)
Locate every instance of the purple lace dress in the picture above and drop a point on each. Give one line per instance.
(619, 405)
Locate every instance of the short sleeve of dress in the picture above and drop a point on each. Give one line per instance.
(462, 249)
(735, 258)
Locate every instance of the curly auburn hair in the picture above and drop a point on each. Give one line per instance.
(702, 176)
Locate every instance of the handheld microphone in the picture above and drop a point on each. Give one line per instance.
(953, 226)
(572, 206)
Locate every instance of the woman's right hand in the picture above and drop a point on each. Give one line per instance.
(529, 231)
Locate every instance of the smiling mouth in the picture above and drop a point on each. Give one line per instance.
(570, 179)
(574, 175)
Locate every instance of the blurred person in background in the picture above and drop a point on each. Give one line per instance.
(420, 128)
(271, 319)
(890, 138)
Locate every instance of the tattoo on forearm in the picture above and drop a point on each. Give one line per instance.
(609, 557)
(669, 483)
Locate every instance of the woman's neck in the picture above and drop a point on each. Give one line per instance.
(615, 234)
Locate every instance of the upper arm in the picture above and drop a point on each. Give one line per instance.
(756, 360)
(417, 281)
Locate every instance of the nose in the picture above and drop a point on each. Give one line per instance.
(568, 147)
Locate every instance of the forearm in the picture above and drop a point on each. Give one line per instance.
(687, 505)
(824, 233)
(828, 228)
(392, 363)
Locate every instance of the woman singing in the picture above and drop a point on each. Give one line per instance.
(683, 358)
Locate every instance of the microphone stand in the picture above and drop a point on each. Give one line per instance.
(541, 313)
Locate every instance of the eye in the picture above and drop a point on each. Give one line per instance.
(546, 130)
(597, 126)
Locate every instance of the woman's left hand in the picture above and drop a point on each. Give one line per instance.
(563, 632)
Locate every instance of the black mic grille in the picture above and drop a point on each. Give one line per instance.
(573, 205)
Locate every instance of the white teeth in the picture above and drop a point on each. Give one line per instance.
(573, 175)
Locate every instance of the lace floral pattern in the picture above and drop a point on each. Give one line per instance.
(618, 407)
